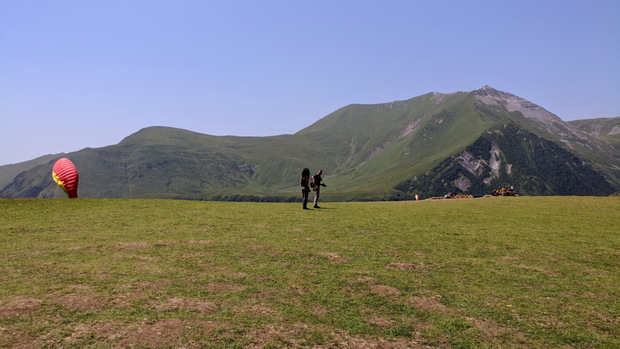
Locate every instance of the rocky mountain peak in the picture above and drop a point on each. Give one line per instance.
(488, 91)
(490, 96)
(544, 119)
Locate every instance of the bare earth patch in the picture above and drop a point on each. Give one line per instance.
(380, 321)
(76, 301)
(135, 245)
(166, 332)
(191, 304)
(222, 286)
(18, 305)
(136, 291)
(405, 266)
(334, 257)
(538, 269)
(491, 329)
(427, 303)
(280, 337)
(383, 290)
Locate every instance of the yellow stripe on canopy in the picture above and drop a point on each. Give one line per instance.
(59, 182)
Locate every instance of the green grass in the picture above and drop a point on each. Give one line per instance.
(500, 272)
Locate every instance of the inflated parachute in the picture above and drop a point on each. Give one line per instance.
(66, 176)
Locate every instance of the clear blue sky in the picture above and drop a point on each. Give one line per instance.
(76, 74)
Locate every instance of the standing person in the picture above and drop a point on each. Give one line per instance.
(316, 180)
(305, 187)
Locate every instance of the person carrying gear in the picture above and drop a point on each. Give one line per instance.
(316, 184)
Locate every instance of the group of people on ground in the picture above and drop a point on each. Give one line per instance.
(504, 192)
(306, 183)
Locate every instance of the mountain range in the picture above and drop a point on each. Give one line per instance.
(468, 142)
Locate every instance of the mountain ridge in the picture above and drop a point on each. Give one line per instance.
(365, 150)
(509, 154)
(607, 129)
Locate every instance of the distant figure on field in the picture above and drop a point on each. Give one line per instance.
(510, 191)
(316, 185)
(450, 195)
(305, 187)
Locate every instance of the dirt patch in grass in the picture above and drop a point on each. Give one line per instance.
(400, 266)
(380, 321)
(491, 330)
(135, 245)
(549, 273)
(271, 335)
(130, 292)
(76, 301)
(405, 266)
(374, 343)
(256, 309)
(166, 332)
(80, 297)
(366, 279)
(488, 327)
(225, 287)
(261, 248)
(18, 305)
(193, 255)
(191, 304)
(427, 304)
(384, 290)
(178, 333)
(295, 337)
(334, 257)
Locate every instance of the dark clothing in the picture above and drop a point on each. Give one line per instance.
(317, 180)
(304, 196)
(305, 190)
(317, 188)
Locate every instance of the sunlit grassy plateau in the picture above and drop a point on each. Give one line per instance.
(485, 272)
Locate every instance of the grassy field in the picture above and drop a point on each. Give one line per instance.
(494, 272)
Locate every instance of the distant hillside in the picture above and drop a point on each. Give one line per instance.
(163, 162)
(506, 156)
(607, 129)
(367, 152)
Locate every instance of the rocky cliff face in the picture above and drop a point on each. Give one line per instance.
(506, 156)
(545, 120)
(600, 152)
(490, 96)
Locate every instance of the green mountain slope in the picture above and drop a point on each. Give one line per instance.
(169, 162)
(507, 155)
(374, 146)
(606, 129)
(364, 150)
(8, 172)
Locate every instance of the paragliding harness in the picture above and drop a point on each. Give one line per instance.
(312, 183)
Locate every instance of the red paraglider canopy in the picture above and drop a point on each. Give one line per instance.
(66, 176)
